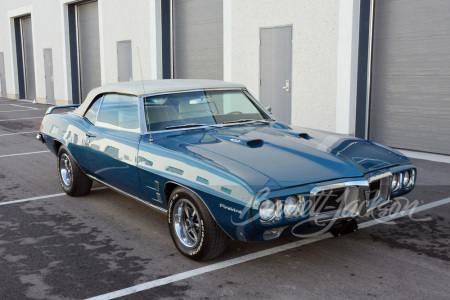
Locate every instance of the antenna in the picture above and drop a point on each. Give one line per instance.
(143, 88)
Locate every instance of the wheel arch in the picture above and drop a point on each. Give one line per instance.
(56, 145)
(170, 186)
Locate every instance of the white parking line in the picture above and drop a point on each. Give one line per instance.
(256, 255)
(32, 199)
(44, 197)
(16, 133)
(21, 119)
(16, 110)
(19, 154)
(20, 100)
(24, 106)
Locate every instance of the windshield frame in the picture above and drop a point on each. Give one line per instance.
(143, 123)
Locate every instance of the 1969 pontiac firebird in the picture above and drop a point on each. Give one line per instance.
(214, 160)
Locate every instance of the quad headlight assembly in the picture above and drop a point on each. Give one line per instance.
(405, 180)
(271, 210)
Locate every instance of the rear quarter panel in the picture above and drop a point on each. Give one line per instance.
(69, 130)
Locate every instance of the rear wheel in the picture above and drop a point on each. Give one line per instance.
(193, 229)
(73, 180)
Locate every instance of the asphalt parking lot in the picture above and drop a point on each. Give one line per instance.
(53, 246)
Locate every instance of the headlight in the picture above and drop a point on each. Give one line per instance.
(395, 182)
(411, 174)
(267, 210)
(294, 207)
(270, 210)
(405, 181)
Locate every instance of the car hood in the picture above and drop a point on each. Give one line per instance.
(284, 155)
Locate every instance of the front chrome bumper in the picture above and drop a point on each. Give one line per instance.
(40, 137)
(349, 200)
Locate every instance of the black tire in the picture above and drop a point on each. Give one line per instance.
(211, 241)
(73, 180)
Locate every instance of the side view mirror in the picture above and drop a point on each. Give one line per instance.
(269, 109)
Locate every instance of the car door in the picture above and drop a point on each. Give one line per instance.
(112, 141)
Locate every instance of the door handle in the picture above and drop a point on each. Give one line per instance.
(90, 135)
(287, 86)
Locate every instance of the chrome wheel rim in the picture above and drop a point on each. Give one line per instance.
(187, 223)
(65, 169)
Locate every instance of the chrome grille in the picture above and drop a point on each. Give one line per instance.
(329, 200)
(349, 199)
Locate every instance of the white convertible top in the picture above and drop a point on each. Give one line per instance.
(147, 87)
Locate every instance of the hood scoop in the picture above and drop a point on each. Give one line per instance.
(255, 143)
(252, 143)
(305, 136)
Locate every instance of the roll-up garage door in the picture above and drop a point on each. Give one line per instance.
(198, 39)
(88, 47)
(410, 94)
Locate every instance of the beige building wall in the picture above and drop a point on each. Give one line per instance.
(314, 52)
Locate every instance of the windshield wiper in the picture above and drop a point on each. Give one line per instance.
(246, 120)
(191, 125)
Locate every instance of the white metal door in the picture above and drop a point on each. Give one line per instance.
(276, 70)
(48, 68)
(124, 61)
(28, 58)
(2, 76)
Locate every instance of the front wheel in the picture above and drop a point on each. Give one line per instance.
(193, 230)
(73, 180)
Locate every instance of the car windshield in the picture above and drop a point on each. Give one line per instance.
(200, 108)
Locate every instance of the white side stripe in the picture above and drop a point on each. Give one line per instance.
(245, 258)
(19, 154)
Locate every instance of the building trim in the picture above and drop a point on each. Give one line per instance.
(166, 39)
(369, 71)
(102, 43)
(347, 66)
(227, 41)
(156, 68)
(363, 77)
(369, 66)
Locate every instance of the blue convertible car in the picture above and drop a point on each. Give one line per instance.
(211, 157)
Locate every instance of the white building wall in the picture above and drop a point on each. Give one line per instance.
(324, 49)
(119, 20)
(126, 20)
(315, 39)
(45, 35)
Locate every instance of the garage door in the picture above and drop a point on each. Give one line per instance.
(198, 39)
(410, 97)
(88, 47)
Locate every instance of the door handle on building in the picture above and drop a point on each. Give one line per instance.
(287, 86)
